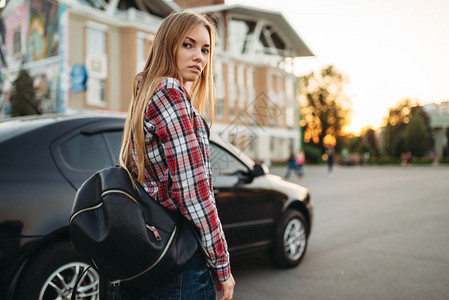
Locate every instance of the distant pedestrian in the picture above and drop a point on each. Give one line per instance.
(406, 159)
(330, 159)
(291, 164)
(300, 160)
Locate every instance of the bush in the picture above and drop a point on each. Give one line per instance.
(444, 160)
(385, 160)
(422, 160)
(313, 154)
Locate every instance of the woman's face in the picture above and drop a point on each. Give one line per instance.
(192, 55)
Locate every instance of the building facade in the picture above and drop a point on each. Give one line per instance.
(439, 122)
(84, 55)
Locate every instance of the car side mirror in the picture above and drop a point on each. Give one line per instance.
(259, 170)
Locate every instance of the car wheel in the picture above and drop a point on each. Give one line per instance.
(291, 240)
(53, 274)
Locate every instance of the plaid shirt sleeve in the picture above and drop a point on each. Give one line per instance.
(191, 187)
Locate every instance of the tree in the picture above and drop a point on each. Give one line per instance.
(369, 136)
(416, 136)
(398, 118)
(324, 106)
(23, 99)
(366, 142)
(446, 147)
(402, 135)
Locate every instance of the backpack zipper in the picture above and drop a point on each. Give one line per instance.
(121, 192)
(155, 232)
(83, 210)
(117, 282)
(101, 203)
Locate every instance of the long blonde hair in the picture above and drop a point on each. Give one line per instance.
(161, 64)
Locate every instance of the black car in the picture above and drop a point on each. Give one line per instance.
(45, 159)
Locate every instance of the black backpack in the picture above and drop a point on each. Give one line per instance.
(132, 241)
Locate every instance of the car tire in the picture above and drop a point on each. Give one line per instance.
(291, 240)
(52, 274)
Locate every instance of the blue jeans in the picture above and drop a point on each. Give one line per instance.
(291, 166)
(194, 283)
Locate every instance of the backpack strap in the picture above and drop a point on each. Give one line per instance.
(80, 277)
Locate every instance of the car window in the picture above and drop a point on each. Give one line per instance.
(224, 163)
(114, 140)
(86, 152)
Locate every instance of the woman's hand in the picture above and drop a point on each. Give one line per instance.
(227, 287)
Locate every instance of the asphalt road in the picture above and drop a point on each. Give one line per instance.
(379, 233)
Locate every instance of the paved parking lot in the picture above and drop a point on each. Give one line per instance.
(379, 233)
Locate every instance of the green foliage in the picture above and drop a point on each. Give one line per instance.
(416, 136)
(312, 153)
(369, 137)
(388, 160)
(444, 160)
(408, 129)
(422, 161)
(397, 119)
(364, 143)
(446, 148)
(364, 147)
(385, 160)
(354, 143)
(23, 99)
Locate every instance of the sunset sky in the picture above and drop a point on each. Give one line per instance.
(389, 49)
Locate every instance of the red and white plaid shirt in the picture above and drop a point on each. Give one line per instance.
(178, 173)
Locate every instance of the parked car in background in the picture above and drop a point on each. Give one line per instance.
(43, 162)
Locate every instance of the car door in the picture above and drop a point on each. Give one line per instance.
(87, 150)
(247, 210)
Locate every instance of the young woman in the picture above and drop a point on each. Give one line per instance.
(165, 144)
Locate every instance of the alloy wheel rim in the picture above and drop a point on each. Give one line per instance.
(60, 283)
(294, 239)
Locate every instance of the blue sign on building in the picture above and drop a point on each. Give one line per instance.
(78, 78)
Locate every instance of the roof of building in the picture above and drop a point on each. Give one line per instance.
(274, 17)
(161, 8)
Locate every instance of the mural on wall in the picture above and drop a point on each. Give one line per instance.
(43, 35)
(31, 33)
(15, 18)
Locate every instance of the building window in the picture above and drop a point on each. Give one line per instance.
(219, 113)
(290, 88)
(96, 89)
(269, 42)
(17, 43)
(96, 41)
(240, 33)
(96, 62)
(251, 143)
(219, 88)
(272, 143)
(251, 98)
(255, 37)
(231, 90)
(241, 94)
